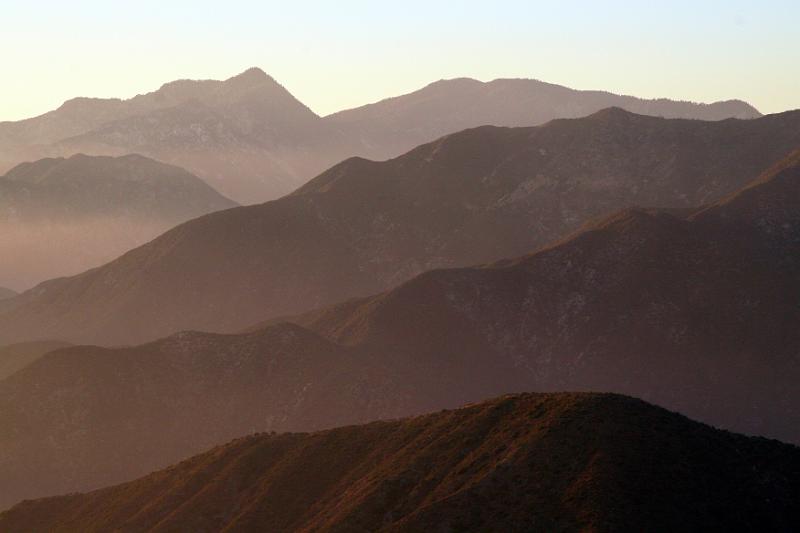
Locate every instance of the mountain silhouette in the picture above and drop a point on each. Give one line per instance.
(394, 125)
(86, 186)
(253, 141)
(362, 226)
(119, 413)
(15, 357)
(61, 216)
(694, 310)
(526, 462)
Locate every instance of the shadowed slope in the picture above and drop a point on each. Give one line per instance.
(695, 312)
(17, 356)
(364, 226)
(59, 216)
(88, 416)
(534, 462)
(698, 314)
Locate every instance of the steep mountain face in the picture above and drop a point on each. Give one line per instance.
(84, 417)
(695, 311)
(394, 125)
(17, 356)
(61, 216)
(533, 462)
(252, 140)
(364, 226)
(246, 136)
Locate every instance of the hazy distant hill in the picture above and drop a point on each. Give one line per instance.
(17, 356)
(363, 226)
(533, 462)
(253, 141)
(90, 186)
(6, 293)
(246, 136)
(695, 311)
(61, 216)
(394, 125)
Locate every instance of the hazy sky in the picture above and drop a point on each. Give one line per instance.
(338, 54)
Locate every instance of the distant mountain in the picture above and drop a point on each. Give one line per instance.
(362, 227)
(89, 186)
(253, 141)
(61, 216)
(246, 136)
(533, 462)
(17, 356)
(694, 310)
(394, 125)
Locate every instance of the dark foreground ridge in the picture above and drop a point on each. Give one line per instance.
(531, 462)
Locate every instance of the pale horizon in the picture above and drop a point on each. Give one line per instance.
(334, 58)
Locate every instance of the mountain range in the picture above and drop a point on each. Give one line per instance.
(253, 141)
(532, 462)
(693, 309)
(61, 216)
(247, 136)
(363, 226)
(396, 125)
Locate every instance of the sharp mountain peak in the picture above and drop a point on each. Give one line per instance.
(253, 75)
